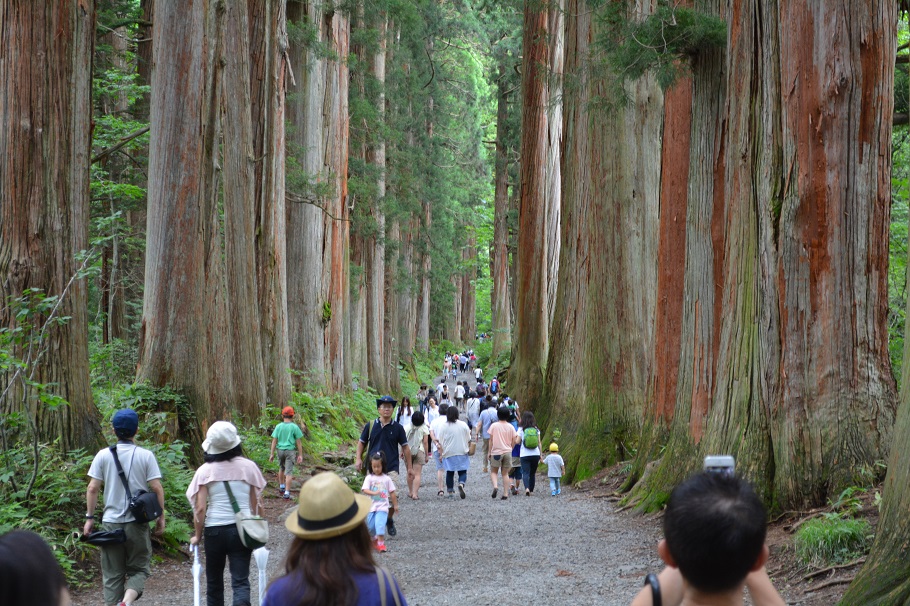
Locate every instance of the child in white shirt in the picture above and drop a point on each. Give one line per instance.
(381, 489)
(556, 467)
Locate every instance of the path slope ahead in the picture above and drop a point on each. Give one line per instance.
(570, 549)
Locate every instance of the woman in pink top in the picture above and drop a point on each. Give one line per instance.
(502, 438)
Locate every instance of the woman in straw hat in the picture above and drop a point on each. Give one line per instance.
(330, 562)
(213, 514)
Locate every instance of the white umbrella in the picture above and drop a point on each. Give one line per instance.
(261, 556)
(197, 573)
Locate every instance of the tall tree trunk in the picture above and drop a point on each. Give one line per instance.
(375, 267)
(308, 299)
(691, 272)
(407, 297)
(144, 55)
(268, 72)
(600, 362)
(45, 135)
(423, 314)
(113, 291)
(468, 293)
(501, 306)
(182, 342)
(885, 577)
(789, 373)
(529, 347)
(239, 219)
(556, 40)
(453, 325)
(336, 165)
(423, 305)
(391, 319)
(838, 393)
(359, 345)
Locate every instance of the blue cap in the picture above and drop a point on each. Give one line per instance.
(126, 420)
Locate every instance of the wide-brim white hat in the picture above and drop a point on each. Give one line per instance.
(221, 437)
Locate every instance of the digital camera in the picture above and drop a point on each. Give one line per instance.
(724, 464)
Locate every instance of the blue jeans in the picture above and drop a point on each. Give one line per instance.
(529, 471)
(376, 522)
(554, 484)
(450, 479)
(223, 543)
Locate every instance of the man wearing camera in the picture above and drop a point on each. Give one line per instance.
(124, 566)
(714, 545)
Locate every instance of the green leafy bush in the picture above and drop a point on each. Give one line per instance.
(832, 539)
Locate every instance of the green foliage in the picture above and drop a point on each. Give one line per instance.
(664, 42)
(832, 539)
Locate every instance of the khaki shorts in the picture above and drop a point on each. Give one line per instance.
(419, 458)
(286, 459)
(503, 461)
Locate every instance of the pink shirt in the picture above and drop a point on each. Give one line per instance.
(502, 438)
(384, 485)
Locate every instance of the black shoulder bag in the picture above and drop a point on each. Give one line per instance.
(144, 506)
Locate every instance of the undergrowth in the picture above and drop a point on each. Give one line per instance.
(57, 504)
(832, 539)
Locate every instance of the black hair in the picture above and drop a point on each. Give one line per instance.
(405, 403)
(417, 419)
(527, 419)
(715, 529)
(378, 456)
(29, 572)
(125, 434)
(502, 413)
(443, 408)
(227, 455)
(452, 414)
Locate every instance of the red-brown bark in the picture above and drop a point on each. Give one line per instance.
(239, 220)
(183, 342)
(671, 251)
(468, 292)
(45, 101)
(268, 85)
(529, 345)
(499, 257)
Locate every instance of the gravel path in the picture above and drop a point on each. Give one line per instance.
(571, 549)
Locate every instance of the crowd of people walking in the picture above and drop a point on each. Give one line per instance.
(338, 533)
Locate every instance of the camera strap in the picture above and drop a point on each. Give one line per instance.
(126, 484)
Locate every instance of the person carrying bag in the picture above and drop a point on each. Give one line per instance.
(144, 506)
(253, 530)
(226, 496)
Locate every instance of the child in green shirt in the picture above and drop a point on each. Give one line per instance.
(285, 436)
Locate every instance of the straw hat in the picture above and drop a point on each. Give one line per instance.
(328, 508)
(221, 437)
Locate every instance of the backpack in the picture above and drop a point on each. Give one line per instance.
(494, 386)
(532, 438)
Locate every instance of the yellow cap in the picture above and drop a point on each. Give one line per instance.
(554, 447)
